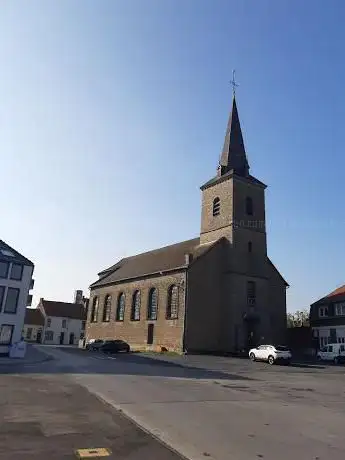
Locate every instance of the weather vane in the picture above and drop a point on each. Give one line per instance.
(233, 83)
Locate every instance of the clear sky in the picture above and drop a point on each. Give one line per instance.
(113, 113)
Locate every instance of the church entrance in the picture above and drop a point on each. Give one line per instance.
(252, 329)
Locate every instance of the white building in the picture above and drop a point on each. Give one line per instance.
(327, 318)
(64, 323)
(15, 283)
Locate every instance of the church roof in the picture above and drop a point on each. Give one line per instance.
(159, 260)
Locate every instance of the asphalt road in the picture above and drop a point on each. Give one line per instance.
(210, 407)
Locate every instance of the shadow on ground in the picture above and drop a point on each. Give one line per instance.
(82, 362)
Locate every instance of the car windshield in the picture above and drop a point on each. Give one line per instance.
(281, 348)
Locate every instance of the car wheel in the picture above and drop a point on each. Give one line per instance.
(288, 362)
(336, 360)
(128, 350)
(252, 357)
(318, 358)
(270, 360)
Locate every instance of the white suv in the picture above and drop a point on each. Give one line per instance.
(270, 354)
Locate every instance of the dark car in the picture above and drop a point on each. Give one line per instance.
(95, 345)
(114, 346)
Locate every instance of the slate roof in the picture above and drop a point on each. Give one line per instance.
(339, 292)
(63, 309)
(9, 254)
(34, 316)
(159, 260)
(225, 176)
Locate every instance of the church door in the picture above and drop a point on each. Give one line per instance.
(150, 330)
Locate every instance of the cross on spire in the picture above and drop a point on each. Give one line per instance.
(233, 83)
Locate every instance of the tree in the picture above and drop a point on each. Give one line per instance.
(298, 319)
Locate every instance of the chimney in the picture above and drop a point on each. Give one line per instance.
(78, 296)
(188, 259)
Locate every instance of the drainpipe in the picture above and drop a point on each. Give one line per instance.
(187, 262)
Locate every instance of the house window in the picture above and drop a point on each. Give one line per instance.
(6, 332)
(216, 207)
(172, 307)
(29, 333)
(107, 308)
(11, 301)
(64, 324)
(49, 322)
(16, 272)
(120, 310)
(136, 303)
(249, 206)
(323, 311)
(49, 336)
(94, 311)
(250, 246)
(4, 266)
(251, 292)
(340, 309)
(2, 293)
(152, 304)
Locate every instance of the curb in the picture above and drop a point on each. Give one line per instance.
(17, 361)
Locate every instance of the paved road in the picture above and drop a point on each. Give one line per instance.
(45, 415)
(218, 408)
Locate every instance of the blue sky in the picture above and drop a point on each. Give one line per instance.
(113, 113)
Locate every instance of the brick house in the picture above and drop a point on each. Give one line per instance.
(327, 317)
(218, 292)
(33, 325)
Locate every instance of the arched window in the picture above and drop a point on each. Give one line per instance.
(172, 307)
(152, 304)
(120, 310)
(249, 206)
(94, 311)
(107, 308)
(216, 207)
(136, 303)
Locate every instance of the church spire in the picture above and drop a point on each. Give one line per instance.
(233, 156)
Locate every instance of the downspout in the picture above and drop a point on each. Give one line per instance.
(187, 260)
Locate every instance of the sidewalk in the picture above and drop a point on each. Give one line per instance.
(33, 356)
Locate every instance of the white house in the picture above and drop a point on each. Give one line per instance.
(15, 283)
(64, 323)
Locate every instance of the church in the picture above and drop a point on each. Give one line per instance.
(218, 292)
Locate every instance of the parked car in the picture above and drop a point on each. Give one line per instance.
(94, 345)
(334, 352)
(271, 354)
(115, 346)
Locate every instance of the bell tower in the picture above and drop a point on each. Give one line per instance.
(233, 203)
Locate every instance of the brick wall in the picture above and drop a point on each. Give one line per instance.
(167, 332)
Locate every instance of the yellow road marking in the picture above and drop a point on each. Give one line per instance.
(90, 453)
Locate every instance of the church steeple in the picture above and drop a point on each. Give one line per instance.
(233, 156)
